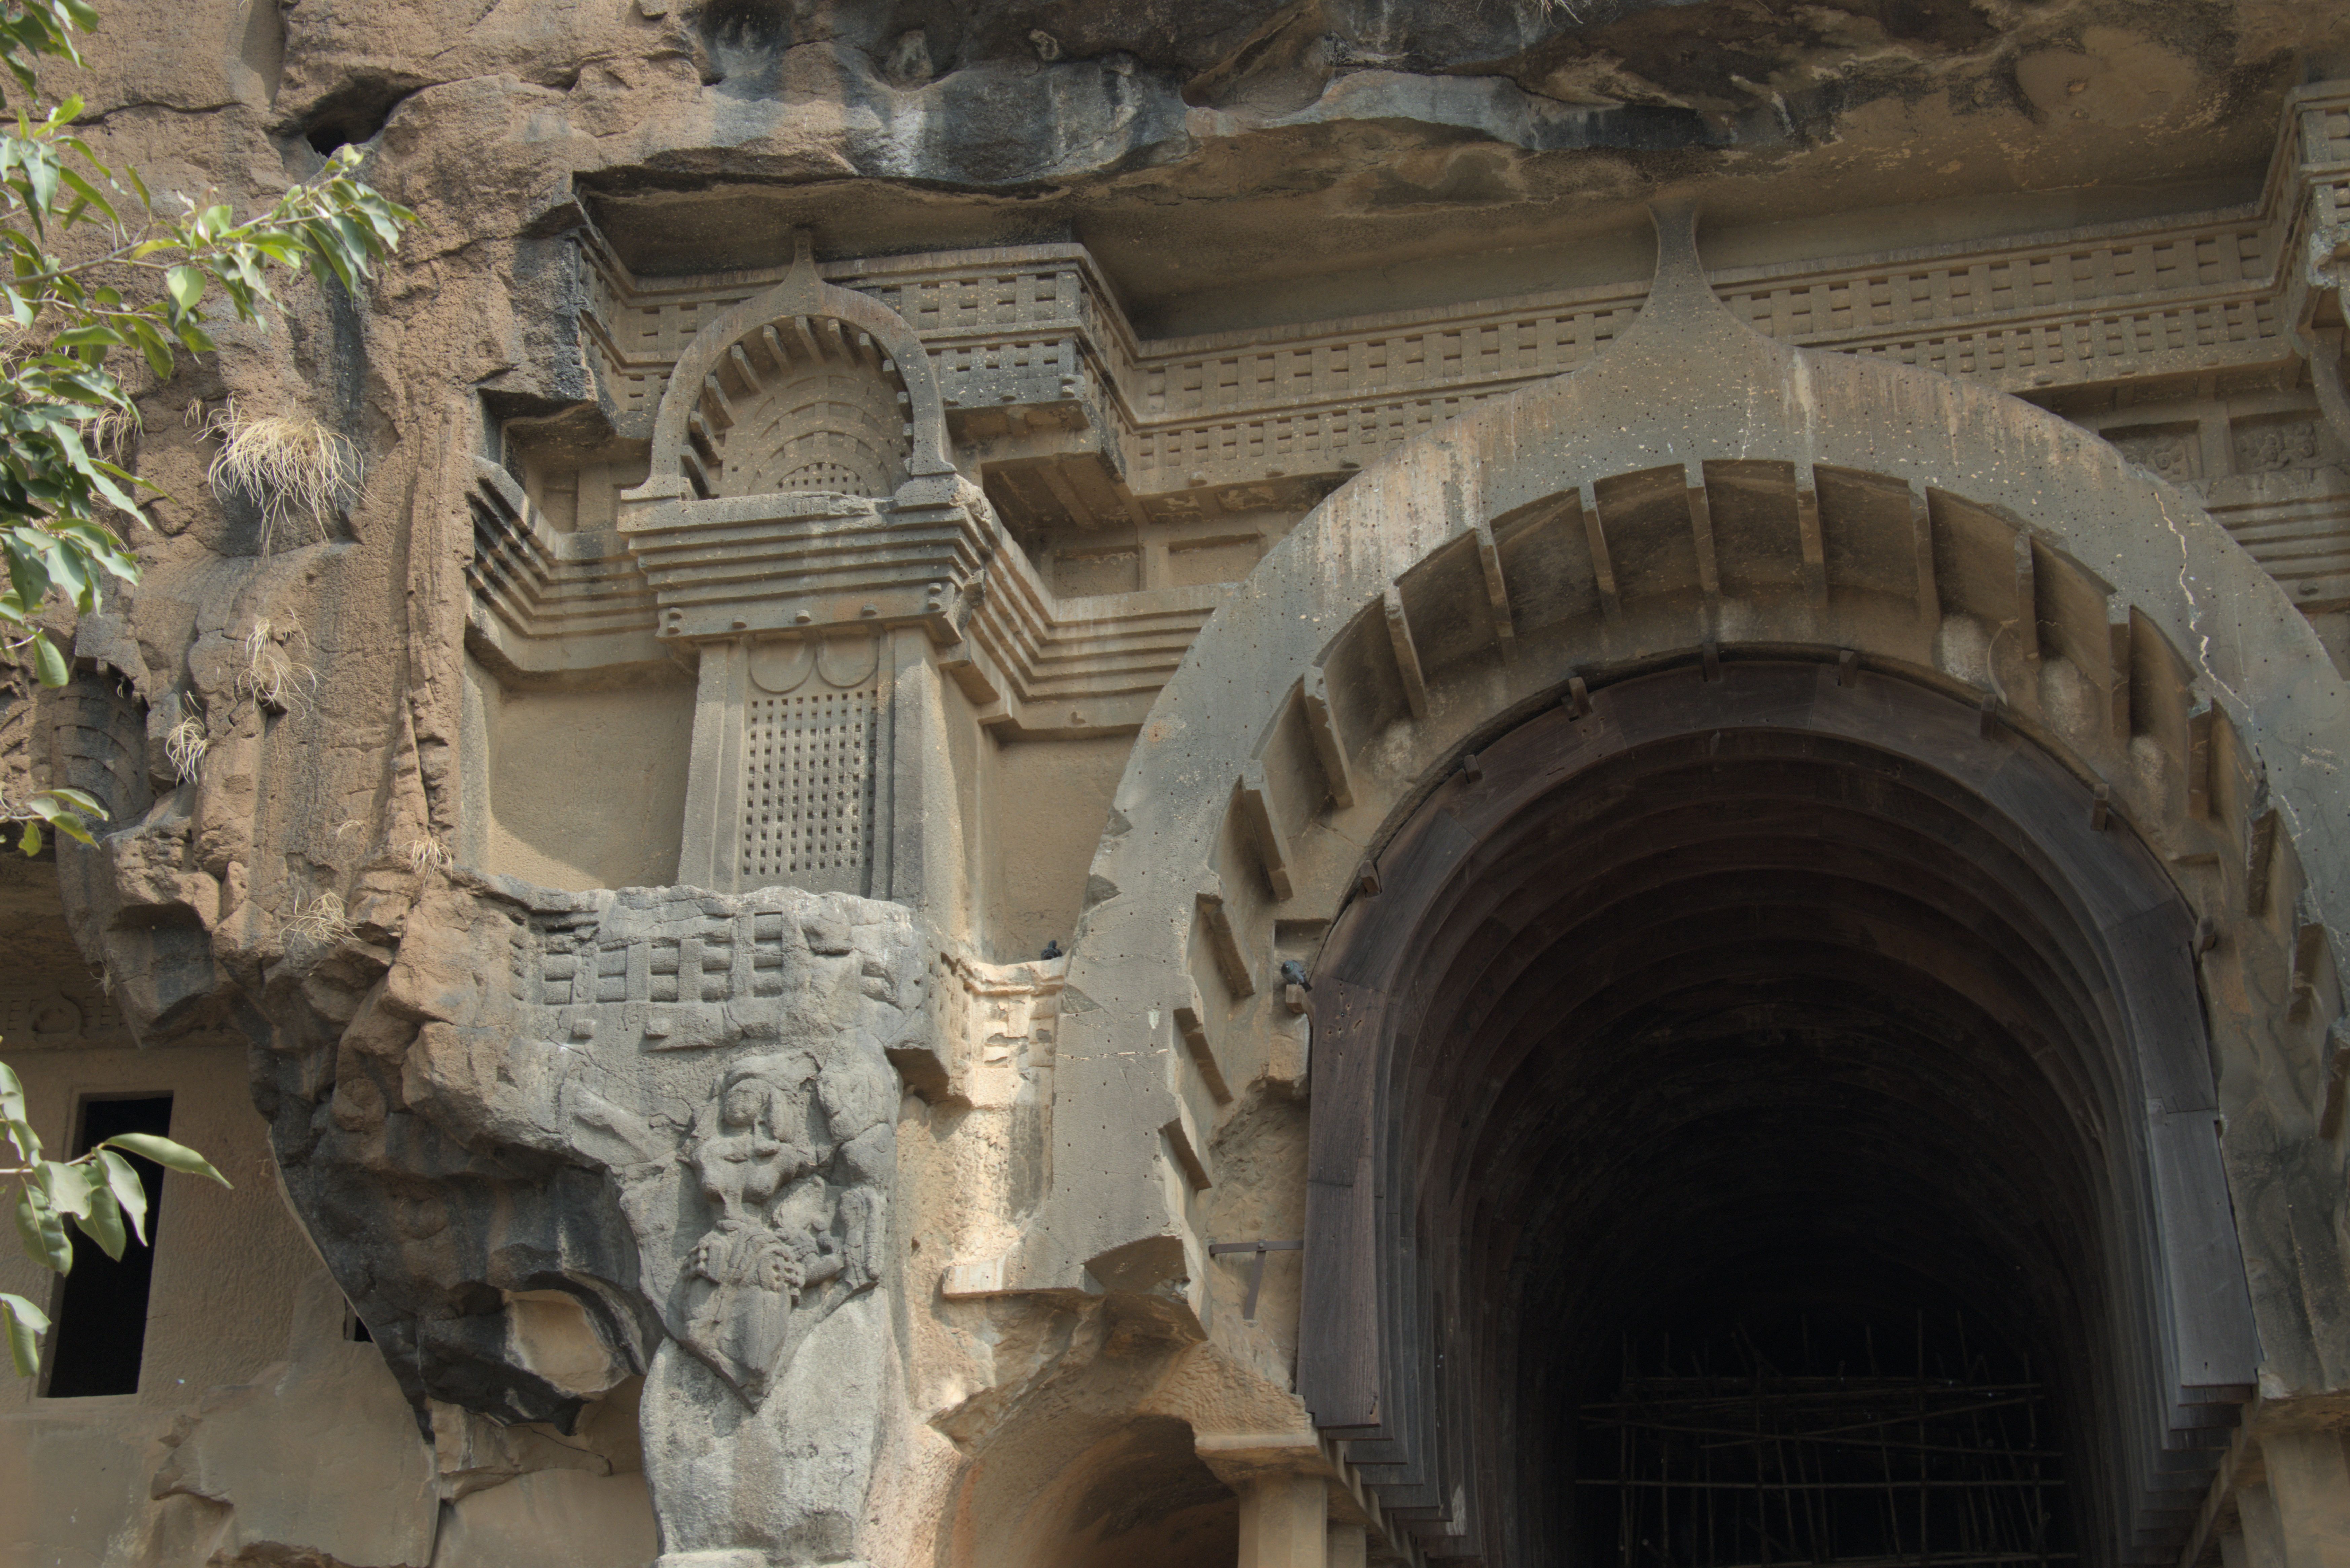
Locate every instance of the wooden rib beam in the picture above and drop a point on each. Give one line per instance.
(1406, 655)
(2308, 952)
(1700, 516)
(2199, 759)
(1224, 946)
(2259, 861)
(1603, 570)
(1497, 592)
(1191, 1024)
(1255, 802)
(2338, 1078)
(773, 347)
(717, 403)
(742, 363)
(1807, 530)
(804, 337)
(2118, 665)
(1922, 546)
(2027, 597)
(1329, 746)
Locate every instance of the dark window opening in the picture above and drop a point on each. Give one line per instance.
(101, 1317)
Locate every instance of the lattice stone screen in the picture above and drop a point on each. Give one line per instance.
(807, 790)
(789, 786)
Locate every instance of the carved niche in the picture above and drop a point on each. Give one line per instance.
(807, 403)
(801, 516)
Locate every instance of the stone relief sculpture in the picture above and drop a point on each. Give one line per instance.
(721, 1066)
(785, 1244)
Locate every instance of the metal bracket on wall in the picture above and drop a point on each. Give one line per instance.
(1256, 1274)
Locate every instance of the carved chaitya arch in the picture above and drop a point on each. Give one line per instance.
(1702, 498)
(1949, 903)
(767, 344)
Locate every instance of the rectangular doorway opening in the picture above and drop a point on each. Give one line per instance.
(101, 1317)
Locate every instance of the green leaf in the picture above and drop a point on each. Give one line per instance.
(128, 1192)
(12, 1095)
(103, 1223)
(26, 1323)
(42, 1232)
(187, 285)
(88, 192)
(48, 663)
(20, 1134)
(29, 842)
(68, 1184)
(167, 1154)
(151, 343)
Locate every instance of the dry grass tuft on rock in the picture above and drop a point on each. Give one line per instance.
(322, 920)
(184, 747)
(426, 855)
(289, 465)
(272, 676)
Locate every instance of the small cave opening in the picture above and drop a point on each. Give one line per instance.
(352, 115)
(101, 1304)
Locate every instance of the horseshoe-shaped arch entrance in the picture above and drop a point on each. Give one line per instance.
(1998, 719)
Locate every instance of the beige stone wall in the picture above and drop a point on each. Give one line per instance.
(585, 787)
(1050, 800)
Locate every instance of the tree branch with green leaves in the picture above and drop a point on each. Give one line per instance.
(95, 269)
(98, 1194)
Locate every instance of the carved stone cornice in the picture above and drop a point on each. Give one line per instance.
(1032, 350)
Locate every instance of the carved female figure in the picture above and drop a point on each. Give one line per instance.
(753, 1150)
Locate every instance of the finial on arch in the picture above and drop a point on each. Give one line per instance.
(1679, 283)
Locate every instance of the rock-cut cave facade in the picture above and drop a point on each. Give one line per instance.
(1404, 781)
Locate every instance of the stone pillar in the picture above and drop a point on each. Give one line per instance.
(2309, 1482)
(1350, 1546)
(1284, 1522)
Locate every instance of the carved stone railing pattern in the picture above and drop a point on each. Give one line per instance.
(1032, 326)
(1032, 337)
